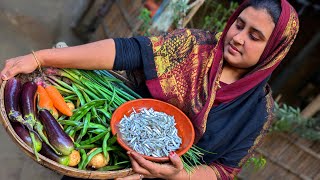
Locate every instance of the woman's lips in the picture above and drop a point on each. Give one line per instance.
(233, 50)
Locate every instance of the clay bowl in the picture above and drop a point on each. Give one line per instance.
(183, 123)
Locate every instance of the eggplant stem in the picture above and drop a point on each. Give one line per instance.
(34, 146)
(16, 116)
(30, 120)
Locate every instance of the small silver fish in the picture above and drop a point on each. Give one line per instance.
(150, 132)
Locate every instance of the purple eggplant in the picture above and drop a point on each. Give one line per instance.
(23, 133)
(12, 93)
(11, 96)
(57, 137)
(47, 152)
(28, 106)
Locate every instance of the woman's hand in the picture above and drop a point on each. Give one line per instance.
(96, 55)
(144, 168)
(22, 64)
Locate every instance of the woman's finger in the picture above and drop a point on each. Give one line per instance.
(7, 66)
(14, 70)
(159, 170)
(137, 168)
(176, 161)
(148, 165)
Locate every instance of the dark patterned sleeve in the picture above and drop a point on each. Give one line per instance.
(130, 52)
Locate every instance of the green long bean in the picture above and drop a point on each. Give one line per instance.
(93, 139)
(91, 155)
(85, 127)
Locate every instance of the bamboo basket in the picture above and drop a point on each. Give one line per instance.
(65, 170)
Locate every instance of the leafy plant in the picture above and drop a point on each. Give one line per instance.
(145, 17)
(217, 19)
(180, 10)
(286, 117)
(215, 13)
(289, 119)
(256, 162)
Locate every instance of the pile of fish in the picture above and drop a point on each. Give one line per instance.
(150, 132)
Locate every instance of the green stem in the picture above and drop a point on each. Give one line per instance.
(121, 84)
(33, 139)
(61, 83)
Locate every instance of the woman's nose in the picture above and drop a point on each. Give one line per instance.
(239, 38)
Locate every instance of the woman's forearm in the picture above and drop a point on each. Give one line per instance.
(96, 55)
(201, 172)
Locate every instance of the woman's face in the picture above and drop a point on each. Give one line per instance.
(247, 38)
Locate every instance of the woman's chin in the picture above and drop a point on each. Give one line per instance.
(230, 59)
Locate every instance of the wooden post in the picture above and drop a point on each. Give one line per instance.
(312, 108)
(194, 8)
(163, 19)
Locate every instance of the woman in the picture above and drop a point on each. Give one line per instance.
(218, 79)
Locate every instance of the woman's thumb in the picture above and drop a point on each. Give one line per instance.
(175, 160)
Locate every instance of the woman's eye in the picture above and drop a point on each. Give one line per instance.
(254, 37)
(239, 26)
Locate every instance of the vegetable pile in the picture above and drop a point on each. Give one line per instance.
(65, 116)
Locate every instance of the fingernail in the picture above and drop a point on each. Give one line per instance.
(172, 154)
(3, 76)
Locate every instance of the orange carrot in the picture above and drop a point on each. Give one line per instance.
(58, 101)
(45, 101)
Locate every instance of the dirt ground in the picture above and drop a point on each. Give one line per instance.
(25, 26)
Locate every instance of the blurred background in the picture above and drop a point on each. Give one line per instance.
(290, 151)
